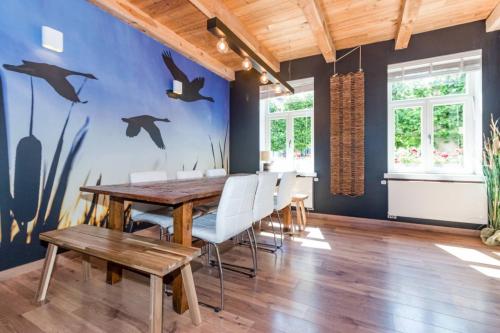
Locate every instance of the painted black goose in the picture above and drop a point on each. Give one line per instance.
(148, 123)
(190, 89)
(54, 75)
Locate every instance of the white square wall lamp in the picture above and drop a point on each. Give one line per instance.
(52, 39)
(177, 87)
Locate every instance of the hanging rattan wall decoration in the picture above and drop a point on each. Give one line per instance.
(347, 134)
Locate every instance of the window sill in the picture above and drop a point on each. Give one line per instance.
(434, 177)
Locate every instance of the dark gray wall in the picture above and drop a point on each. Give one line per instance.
(244, 111)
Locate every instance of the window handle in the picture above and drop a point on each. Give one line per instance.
(289, 143)
(429, 137)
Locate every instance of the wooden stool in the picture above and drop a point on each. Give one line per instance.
(147, 255)
(298, 200)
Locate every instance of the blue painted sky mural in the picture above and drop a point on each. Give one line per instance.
(132, 80)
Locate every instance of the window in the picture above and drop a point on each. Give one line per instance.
(287, 125)
(435, 115)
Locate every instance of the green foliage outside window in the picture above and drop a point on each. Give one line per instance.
(293, 103)
(278, 135)
(302, 135)
(435, 86)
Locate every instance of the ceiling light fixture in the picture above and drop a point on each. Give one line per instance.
(247, 64)
(222, 46)
(263, 78)
(277, 88)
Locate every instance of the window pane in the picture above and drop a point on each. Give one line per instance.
(302, 147)
(278, 138)
(408, 129)
(296, 102)
(448, 135)
(444, 85)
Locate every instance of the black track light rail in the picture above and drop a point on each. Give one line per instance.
(220, 30)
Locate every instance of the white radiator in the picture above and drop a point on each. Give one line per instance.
(446, 201)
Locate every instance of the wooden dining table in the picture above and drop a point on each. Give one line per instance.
(182, 195)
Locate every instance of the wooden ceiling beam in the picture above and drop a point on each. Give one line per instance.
(317, 22)
(493, 21)
(139, 19)
(409, 12)
(217, 8)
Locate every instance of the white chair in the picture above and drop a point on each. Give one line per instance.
(234, 215)
(189, 174)
(211, 173)
(154, 214)
(263, 205)
(284, 197)
(215, 173)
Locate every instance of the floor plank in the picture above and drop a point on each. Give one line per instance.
(333, 277)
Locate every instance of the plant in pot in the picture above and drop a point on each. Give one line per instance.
(491, 169)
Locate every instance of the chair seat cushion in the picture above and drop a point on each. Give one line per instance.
(204, 228)
(162, 217)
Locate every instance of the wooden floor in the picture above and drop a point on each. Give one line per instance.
(334, 278)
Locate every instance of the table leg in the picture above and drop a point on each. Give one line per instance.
(115, 222)
(183, 222)
(287, 218)
(303, 213)
(86, 267)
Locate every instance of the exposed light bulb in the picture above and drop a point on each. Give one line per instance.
(263, 78)
(247, 64)
(222, 46)
(277, 88)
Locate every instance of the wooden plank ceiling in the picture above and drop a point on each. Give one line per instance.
(281, 30)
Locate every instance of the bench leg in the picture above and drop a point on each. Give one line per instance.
(86, 267)
(187, 279)
(156, 310)
(48, 266)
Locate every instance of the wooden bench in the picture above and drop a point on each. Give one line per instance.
(298, 200)
(147, 255)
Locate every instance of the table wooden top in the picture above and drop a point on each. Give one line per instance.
(145, 254)
(169, 192)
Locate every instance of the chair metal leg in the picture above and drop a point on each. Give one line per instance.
(255, 249)
(254, 253)
(281, 229)
(221, 277)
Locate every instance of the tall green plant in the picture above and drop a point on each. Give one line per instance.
(491, 170)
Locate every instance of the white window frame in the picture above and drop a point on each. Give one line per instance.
(289, 117)
(472, 126)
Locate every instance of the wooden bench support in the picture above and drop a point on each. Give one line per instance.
(151, 256)
(156, 304)
(194, 310)
(48, 267)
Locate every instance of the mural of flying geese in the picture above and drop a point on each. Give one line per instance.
(190, 89)
(54, 75)
(148, 123)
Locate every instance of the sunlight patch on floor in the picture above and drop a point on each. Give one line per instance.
(307, 241)
(469, 255)
(488, 271)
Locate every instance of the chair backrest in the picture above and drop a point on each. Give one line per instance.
(263, 204)
(147, 176)
(189, 174)
(234, 213)
(285, 190)
(215, 172)
(141, 177)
